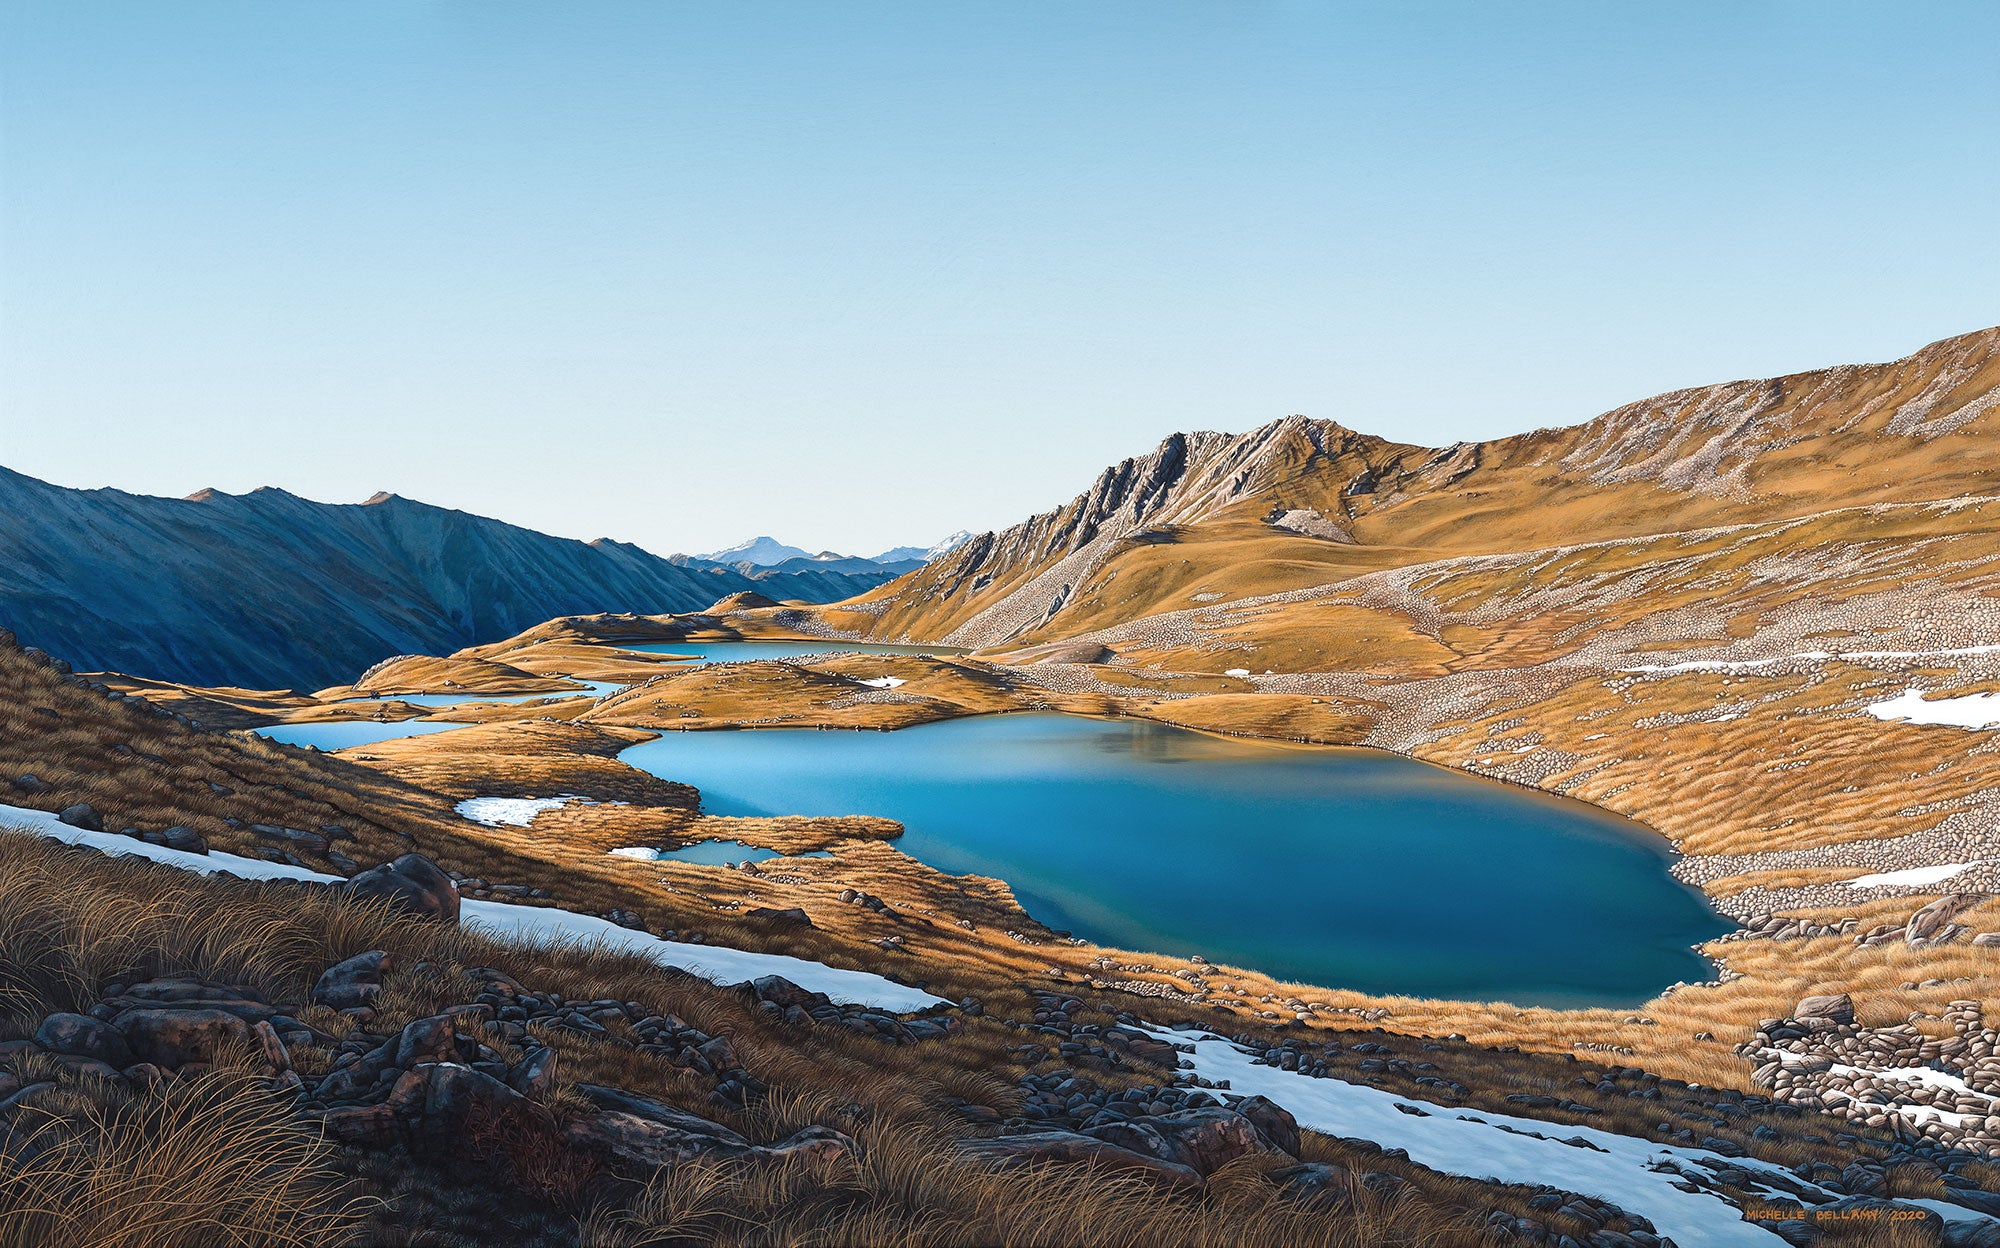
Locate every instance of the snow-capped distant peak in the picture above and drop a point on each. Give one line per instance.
(924, 554)
(948, 545)
(762, 551)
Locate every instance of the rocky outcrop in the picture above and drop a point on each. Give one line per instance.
(1898, 1077)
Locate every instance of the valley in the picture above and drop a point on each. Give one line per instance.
(1600, 778)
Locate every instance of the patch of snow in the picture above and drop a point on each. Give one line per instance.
(1910, 875)
(529, 924)
(1237, 671)
(516, 812)
(718, 963)
(885, 682)
(1813, 656)
(1974, 710)
(640, 852)
(1632, 1173)
(42, 823)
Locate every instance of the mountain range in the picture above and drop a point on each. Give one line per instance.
(769, 552)
(273, 590)
(1297, 503)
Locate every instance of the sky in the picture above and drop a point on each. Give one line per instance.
(860, 274)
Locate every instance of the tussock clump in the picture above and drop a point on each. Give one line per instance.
(215, 1159)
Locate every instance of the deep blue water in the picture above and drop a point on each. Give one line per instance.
(728, 853)
(1345, 868)
(743, 651)
(346, 734)
(591, 689)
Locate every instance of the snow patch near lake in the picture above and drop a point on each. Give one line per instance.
(1911, 875)
(1634, 1174)
(1974, 710)
(516, 812)
(1809, 656)
(528, 924)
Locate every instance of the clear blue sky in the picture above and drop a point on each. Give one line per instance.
(860, 274)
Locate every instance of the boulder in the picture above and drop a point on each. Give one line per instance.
(647, 1144)
(1202, 1140)
(82, 815)
(1837, 1008)
(171, 1038)
(83, 1036)
(411, 883)
(1930, 922)
(817, 1145)
(793, 917)
(187, 840)
(432, 1039)
(1073, 1148)
(1274, 1120)
(535, 1074)
(29, 783)
(782, 993)
(455, 1102)
(613, 1100)
(1317, 1185)
(1971, 1233)
(353, 982)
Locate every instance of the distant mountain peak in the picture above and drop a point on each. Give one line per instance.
(763, 551)
(924, 554)
(378, 497)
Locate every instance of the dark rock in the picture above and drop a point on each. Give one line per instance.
(432, 1039)
(187, 840)
(369, 1126)
(82, 815)
(1971, 1233)
(818, 1145)
(613, 1100)
(1203, 1140)
(353, 982)
(535, 1076)
(648, 1143)
(794, 918)
(84, 1036)
(1072, 1148)
(458, 1101)
(782, 992)
(276, 1056)
(412, 883)
(1317, 1185)
(29, 783)
(171, 1038)
(1274, 1120)
(1837, 1008)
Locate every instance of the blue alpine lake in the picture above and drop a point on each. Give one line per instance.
(345, 734)
(1346, 868)
(744, 651)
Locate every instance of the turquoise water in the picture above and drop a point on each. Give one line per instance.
(591, 689)
(726, 854)
(347, 734)
(1347, 868)
(743, 651)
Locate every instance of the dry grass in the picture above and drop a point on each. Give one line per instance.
(910, 1190)
(210, 1160)
(77, 921)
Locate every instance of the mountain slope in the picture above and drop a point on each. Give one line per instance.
(271, 589)
(1299, 502)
